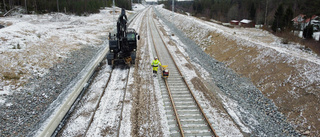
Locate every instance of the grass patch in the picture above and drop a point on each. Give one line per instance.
(10, 76)
(3, 39)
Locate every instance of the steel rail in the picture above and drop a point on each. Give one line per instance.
(123, 100)
(127, 81)
(98, 103)
(169, 92)
(199, 106)
(103, 92)
(105, 87)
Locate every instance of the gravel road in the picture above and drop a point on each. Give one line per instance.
(255, 110)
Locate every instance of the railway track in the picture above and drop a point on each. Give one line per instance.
(184, 114)
(61, 114)
(109, 105)
(111, 98)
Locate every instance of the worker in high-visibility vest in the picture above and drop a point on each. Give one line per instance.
(155, 65)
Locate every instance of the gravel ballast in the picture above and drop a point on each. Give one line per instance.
(252, 104)
(23, 110)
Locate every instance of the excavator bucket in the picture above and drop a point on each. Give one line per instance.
(128, 60)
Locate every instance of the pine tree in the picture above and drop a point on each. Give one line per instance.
(278, 19)
(252, 12)
(288, 24)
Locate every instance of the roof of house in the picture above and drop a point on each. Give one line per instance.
(246, 21)
(234, 21)
(300, 18)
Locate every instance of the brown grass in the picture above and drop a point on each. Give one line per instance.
(6, 23)
(3, 39)
(10, 76)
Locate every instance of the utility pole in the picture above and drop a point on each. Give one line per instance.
(172, 9)
(173, 6)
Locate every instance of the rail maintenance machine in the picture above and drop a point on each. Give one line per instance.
(123, 44)
(165, 71)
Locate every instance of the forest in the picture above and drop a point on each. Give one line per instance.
(78, 7)
(261, 11)
(275, 15)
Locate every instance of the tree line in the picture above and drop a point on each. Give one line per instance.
(261, 11)
(277, 13)
(69, 6)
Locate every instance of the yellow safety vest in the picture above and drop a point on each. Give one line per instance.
(155, 63)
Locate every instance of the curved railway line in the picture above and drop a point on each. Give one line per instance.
(182, 108)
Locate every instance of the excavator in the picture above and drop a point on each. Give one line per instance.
(123, 44)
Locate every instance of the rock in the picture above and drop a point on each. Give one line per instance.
(306, 132)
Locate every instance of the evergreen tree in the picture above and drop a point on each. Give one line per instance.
(278, 19)
(252, 12)
(288, 24)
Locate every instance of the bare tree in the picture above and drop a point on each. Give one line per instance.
(58, 5)
(25, 4)
(266, 13)
(4, 5)
(11, 4)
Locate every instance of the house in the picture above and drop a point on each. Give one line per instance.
(234, 22)
(247, 23)
(300, 22)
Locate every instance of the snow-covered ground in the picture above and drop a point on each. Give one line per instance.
(316, 36)
(31, 44)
